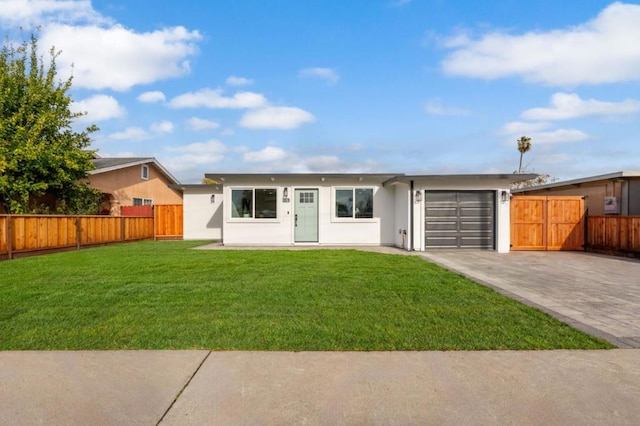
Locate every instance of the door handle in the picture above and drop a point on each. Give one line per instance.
(296, 220)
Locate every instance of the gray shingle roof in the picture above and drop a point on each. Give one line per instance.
(108, 164)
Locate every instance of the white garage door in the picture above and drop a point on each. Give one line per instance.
(460, 219)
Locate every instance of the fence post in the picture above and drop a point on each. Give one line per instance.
(78, 233)
(9, 236)
(585, 246)
(153, 214)
(122, 236)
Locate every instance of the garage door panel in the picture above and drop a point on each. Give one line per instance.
(486, 227)
(442, 226)
(441, 212)
(459, 219)
(474, 211)
(443, 196)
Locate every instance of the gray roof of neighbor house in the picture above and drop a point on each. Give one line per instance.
(108, 164)
(580, 181)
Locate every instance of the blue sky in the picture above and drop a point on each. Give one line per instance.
(410, 86)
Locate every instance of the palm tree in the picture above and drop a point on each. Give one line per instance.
(524, 145)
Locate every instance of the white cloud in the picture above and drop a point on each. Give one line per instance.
(435, 107)
(269, 153)
(521, 128)
(569, 105)
(197, 124)
(192, 155)
(151, 97)
(284, 118)
(104, 54)
(98, 108)
(118, 58)
(327, 74)
(162, 127)
(210, 98)
(130, 133)
(30, 13)
(233, 80)
(554, 137)
(599, 51)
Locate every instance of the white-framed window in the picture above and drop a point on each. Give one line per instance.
(142, 201)
(353, 203)
(144, 172)
(254, 203)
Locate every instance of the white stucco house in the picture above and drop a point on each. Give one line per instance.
(413, 212)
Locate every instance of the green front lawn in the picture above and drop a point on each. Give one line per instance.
(161, 295)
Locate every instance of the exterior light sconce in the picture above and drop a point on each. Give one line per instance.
(213, 198)
(418, 196)
(285, 195)
(504, 196)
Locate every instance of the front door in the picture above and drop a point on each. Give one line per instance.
(306, 216)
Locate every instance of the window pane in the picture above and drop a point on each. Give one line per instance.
(344, 203)
(137, 201)
(364, 203)
(266, 201)
(241, 203)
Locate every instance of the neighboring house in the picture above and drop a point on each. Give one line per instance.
(132, 182)
(613, 193)
(419, 212)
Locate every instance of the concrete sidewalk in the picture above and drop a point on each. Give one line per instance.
(200, 387)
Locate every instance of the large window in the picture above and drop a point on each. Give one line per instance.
(258, 203)
(355, 203)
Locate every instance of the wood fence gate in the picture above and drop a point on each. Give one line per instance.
(547, 223)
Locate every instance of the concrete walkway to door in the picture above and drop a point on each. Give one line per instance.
(596, 294)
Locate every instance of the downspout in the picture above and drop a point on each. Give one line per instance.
(411, 207)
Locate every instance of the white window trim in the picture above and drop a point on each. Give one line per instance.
(144, 172)
(334, 216)
(228, 197)
(144, 201)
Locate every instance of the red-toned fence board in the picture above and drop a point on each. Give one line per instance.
(146, 211)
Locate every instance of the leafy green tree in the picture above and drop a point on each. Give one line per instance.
(41, 156)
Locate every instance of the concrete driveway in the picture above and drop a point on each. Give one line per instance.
(596, 294)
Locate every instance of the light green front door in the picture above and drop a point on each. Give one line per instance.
(306, 216)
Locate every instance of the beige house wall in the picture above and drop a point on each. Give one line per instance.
(125, 184)
(595, 193)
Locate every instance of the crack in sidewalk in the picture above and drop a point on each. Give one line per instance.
(179, 394)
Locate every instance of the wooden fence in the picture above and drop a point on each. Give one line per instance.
(26, 235)
(614, 235)
(547, 223)
(169, 220)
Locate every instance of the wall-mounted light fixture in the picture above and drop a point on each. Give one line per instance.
(213, 198)
(504, 196)
(285, 195)
(418, 196)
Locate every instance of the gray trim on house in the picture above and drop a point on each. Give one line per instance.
(385, 178)
(511, 177)
(580, 181)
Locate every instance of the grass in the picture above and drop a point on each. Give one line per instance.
(160, 295)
